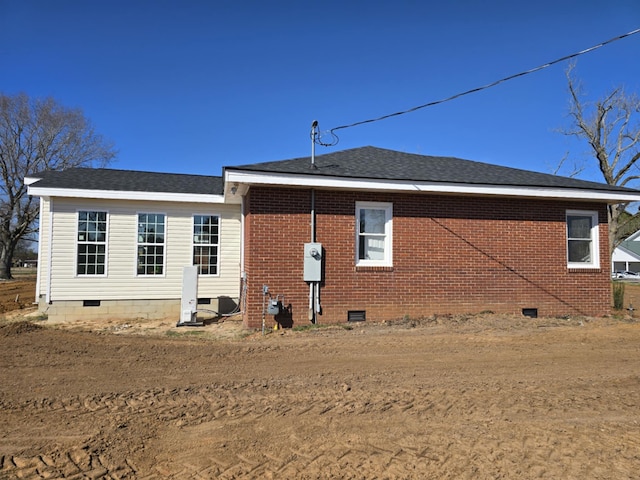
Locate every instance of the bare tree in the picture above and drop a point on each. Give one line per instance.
(610, 127)
(38, 135)
(576, 170)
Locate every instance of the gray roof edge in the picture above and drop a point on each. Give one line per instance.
(118, 180)
(535, 178)
(44, 173)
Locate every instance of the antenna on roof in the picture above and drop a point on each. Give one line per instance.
(314, 132)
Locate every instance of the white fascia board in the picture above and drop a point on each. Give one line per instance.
(253, 178)
(633, 237)
(125, 195)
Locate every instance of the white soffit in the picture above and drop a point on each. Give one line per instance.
(256, 178)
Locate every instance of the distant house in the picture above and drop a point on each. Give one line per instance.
(626, 256)
(361, 234)
(26, 263)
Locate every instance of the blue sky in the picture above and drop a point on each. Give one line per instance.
(191, 86)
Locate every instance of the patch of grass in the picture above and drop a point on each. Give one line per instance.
(24, 273)
(305, 328)
(186, 333)
(312, 327)
(302, 328)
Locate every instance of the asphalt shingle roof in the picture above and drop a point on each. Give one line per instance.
(382, 164)
(128, 180)
(632, 246)
(358, 163)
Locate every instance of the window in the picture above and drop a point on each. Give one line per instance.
(206, 243)
(373, 236)
(92, 243)
(582, 239)
(151, 243)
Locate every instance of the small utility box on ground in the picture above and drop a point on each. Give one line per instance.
(189, 303)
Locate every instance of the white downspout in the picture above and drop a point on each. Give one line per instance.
(242, 299)
(39, 266)
(242, 205)
(49, 254)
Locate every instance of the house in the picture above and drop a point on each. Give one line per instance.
(360, 234)
(626, 256)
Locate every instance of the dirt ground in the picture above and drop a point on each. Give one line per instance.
(18, 294)
(465, 397)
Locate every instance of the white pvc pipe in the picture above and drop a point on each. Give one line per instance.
(242, 272)
(50, 253)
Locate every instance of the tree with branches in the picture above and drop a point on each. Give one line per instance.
(611, 128)
(38, 135)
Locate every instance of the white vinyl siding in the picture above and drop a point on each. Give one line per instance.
(121, 281)
(582, 239)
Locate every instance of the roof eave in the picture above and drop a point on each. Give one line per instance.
(125, 195)
(243, 177)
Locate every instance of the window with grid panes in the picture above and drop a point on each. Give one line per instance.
(91, 243)
(151, 244)
(206, 243)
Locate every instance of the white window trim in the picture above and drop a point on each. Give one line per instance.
(137, 244)
(193, 244)
(388, 230)
(595, 240)
(77, 242)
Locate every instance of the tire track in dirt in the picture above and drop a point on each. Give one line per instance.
(370, 404)
(470, 420)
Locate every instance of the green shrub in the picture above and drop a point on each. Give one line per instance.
(618, 295)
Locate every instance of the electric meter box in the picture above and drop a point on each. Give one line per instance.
(312, 262)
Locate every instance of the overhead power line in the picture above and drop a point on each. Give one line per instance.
(473, 90)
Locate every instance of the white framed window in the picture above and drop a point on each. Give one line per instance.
(91, 243)
(373, 234)
(583, 249)
(206, 244)
(151, 243)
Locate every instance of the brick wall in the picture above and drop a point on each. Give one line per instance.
(450, 255)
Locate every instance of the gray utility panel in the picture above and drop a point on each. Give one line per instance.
(312, 262)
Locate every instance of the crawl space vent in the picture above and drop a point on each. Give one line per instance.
(530, 312)
(356, 315)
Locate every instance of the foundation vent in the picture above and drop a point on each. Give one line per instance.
(356, 315)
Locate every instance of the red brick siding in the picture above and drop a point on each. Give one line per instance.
(450, 255)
